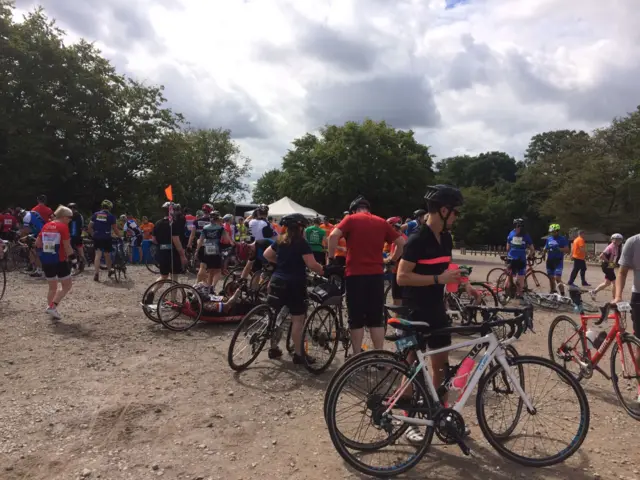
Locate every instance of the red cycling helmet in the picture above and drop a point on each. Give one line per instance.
(394, 220)
(207, 208)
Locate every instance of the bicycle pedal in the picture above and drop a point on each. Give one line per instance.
(464, 448)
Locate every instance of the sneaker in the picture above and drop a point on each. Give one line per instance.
(96, 277)
(585, 284)
(275, 353)
(51, 310)
(571, 284)
(299, 360)
(593, 295)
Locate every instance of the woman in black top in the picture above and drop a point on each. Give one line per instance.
(292, 255)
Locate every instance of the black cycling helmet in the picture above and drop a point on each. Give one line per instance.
(419, 213)
(263, 208)
(359, 202)
(215, 215)
(439, 196)
(73, 206)
(292, 220)
(518, 222)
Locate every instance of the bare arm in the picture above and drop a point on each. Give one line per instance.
(247, 269)
(39, 242)
(90, 228)
(332, 243)
(178, 246)
(312, 264)
(397, 253)
(67, 247)
(621, 280)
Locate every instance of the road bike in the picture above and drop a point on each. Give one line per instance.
(120, 260)
(388, 407)
(505, 286)
(570, 347)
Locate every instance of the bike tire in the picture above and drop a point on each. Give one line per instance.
(537, 281)
(312, 336)
(148, 310)
(634, 344)
(291, 348)
(190, 296)
(504, 297)
(3, 281)
(498, 443)
(261, 339)
(338, 439)
(151, 263)
(494, 274)
(388, 299)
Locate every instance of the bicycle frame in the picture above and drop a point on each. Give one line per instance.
(494, 351)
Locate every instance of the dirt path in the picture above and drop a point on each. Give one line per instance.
(107, 394)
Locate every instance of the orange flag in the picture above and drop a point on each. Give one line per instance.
(169, 193)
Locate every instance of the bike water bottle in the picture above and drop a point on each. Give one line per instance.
(599, 339)
(462, 375)
(592, 336)
(452, 287)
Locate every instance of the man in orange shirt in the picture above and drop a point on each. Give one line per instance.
(579, 253)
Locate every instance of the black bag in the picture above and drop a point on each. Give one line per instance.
(326, 294)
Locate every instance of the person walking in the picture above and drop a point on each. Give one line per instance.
(101, 227)
(609, 258)
(315, 235)
(366, 235)
(579, 255)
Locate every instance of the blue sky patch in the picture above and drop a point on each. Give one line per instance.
(449, 4)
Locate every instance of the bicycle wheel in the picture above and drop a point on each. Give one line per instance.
(372, 395)
(489, 296)
(563, 400)
(180, 307)
(494, 274)
(350, 363)
(388, 299)
(3, 281)
(566, 342)
(321, 338)
(151, 263)
(537, 281)
(149, 307)
(291, 348)
(627, 380)
(255, 329)
(503, 292)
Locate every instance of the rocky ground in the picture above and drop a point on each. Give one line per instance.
(105, 393)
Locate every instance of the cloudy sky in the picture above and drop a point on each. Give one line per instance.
(466, 75)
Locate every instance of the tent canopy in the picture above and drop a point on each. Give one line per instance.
(285, 206)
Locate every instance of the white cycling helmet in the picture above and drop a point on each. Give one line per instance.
(617, 236)
(227, 217)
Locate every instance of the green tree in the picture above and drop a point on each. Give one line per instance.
(267, 188)
(484, 170)
(388, 166)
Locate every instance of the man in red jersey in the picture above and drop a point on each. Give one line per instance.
(45, 212)
(366, 235)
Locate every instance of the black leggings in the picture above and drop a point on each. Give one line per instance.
(578, 266)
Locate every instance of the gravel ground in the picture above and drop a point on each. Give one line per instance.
(107, 394)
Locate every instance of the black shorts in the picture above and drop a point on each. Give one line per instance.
(365, 300)
(76, 242)
(436, 318)
(57, 271)
(292, 294)
(396, 290)
(321, 257)
(213, 262)
(257, 265)
(635, 313)
(163, 258)
(609, 273)
(104, 244)
(342, 261)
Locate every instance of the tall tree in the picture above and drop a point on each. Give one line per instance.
(388, 166)
(267, 188)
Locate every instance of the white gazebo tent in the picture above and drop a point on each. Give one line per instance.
(285, 206)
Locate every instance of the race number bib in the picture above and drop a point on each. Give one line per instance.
(517, 241)
(49, 242)
(212, 249)
(133, 225)
(8, 221)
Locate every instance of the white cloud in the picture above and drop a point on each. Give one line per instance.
(485, 75)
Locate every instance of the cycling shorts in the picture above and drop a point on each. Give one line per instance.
(365, 300)
(518, 266)
(554, 267)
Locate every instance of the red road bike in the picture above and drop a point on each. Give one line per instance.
(573, 350)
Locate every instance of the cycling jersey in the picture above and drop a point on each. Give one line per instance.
(131, 226)
(76, 225)
(554, 244)
(190, 221)
(52, 236)
(201, 222)
(518, 244)
(412, 227)
(33, 221)
(102, 221)
(261, 247)
(257, 228)
(315, 236)
(7, 222)
(212, 234)
(45, 212)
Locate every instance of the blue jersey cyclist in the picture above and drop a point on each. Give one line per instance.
(256, 259)
(556, 247)
(412, 226)
(519, 243)
(32, 224)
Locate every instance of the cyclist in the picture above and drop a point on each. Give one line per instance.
(412, 226)
(200, 222)
(75, 230)
(292, 255)
(579, 253)
(315, 236)
(45, 212)
(259, 227)
(255, 261)
(209, 251)
(32, 223)
(423, 271)
(8, 225)
(190, 221)
(134, 232)
(101, 227)
(54, 249)
(556, 247)
(609, 258)
(171, 256)
(519, 243)
(365, 234)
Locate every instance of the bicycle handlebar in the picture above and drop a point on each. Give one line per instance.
(604, 312)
